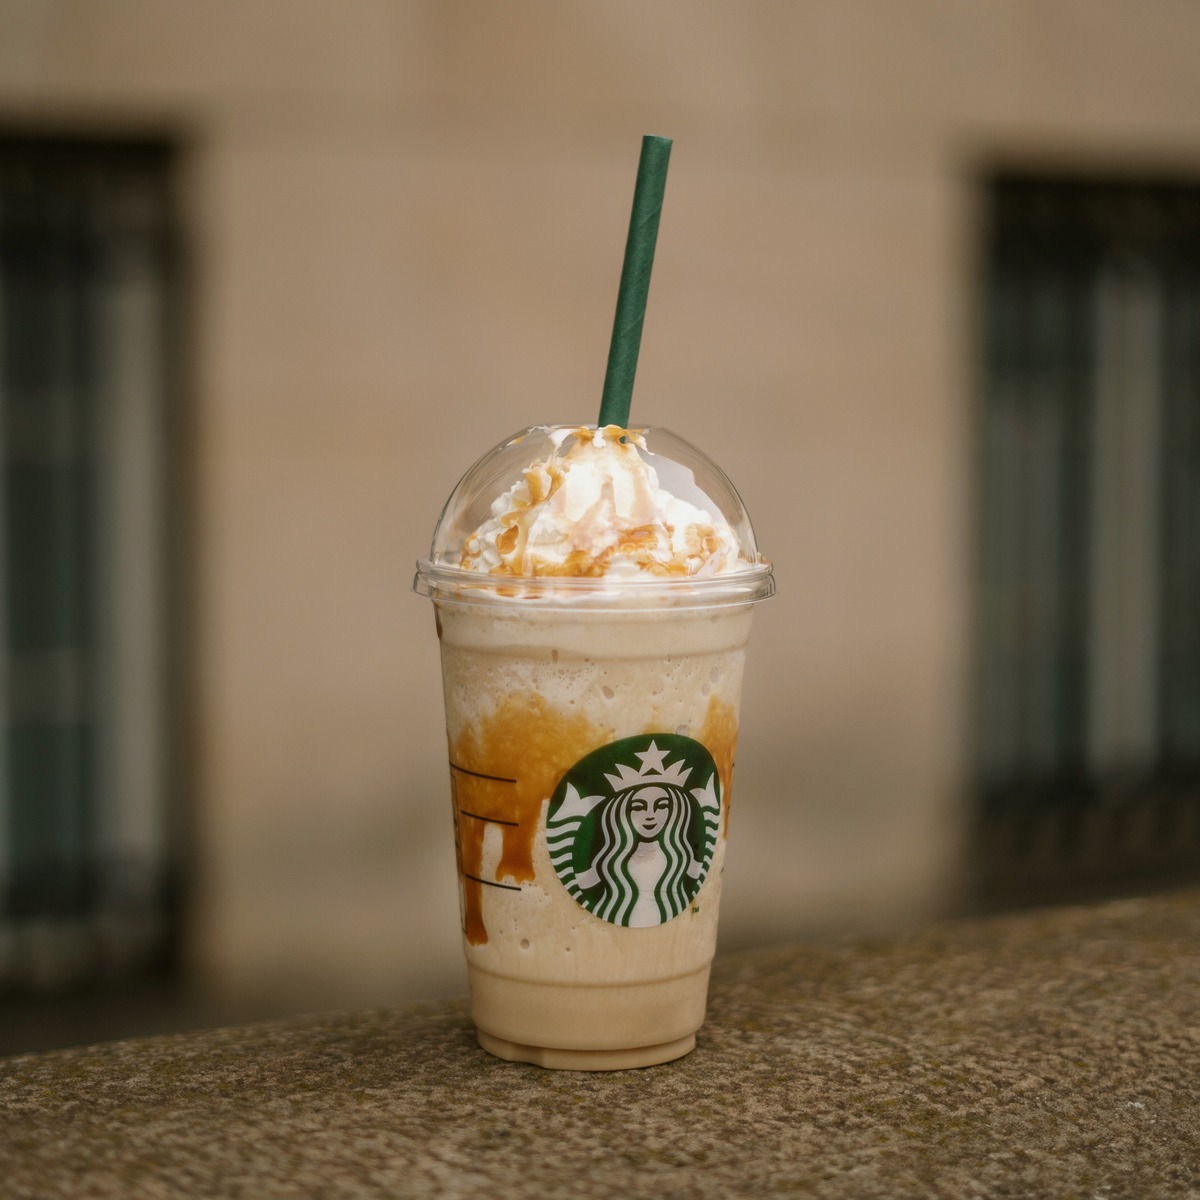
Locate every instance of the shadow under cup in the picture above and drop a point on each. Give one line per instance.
(591, 727)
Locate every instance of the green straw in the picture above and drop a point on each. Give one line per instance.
(635, 281)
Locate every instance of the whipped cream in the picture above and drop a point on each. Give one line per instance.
(598, 510)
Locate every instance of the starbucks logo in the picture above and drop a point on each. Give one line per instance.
(632, 827)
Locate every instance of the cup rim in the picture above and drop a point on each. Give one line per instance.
(443, 584)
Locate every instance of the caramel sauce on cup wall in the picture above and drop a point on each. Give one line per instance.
(505, 767)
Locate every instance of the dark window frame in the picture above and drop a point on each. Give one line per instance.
(1086, 753)
(87, 897)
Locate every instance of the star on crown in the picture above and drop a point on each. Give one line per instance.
(654, 769)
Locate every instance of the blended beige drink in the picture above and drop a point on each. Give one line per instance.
(593, 624)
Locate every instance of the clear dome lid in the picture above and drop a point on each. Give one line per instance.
(683, 472)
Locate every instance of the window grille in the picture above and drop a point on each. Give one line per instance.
(88, 317)
(1088, 715)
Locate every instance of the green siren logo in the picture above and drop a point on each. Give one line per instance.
(632, 827)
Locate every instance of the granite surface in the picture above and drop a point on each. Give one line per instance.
(1052, 1053)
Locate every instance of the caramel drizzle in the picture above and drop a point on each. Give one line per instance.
(650, 547)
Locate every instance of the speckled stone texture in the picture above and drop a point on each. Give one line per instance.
(1052, 1053)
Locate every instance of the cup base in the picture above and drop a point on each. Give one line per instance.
(630, 1024)
(587, 1060)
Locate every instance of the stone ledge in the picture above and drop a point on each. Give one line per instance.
(1049, 1053)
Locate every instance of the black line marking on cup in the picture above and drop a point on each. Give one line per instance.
(493, 820)
(508, 887)
(479, 774)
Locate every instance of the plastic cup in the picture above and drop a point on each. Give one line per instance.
(591, 726)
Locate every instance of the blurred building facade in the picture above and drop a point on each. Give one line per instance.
(401, 233)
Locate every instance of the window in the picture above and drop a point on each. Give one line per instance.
(1089, 532)
(88, 796)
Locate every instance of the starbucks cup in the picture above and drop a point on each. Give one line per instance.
(591, 725)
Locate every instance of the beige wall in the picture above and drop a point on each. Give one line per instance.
(407, 223)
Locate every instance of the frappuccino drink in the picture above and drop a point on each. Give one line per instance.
(593, 591)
